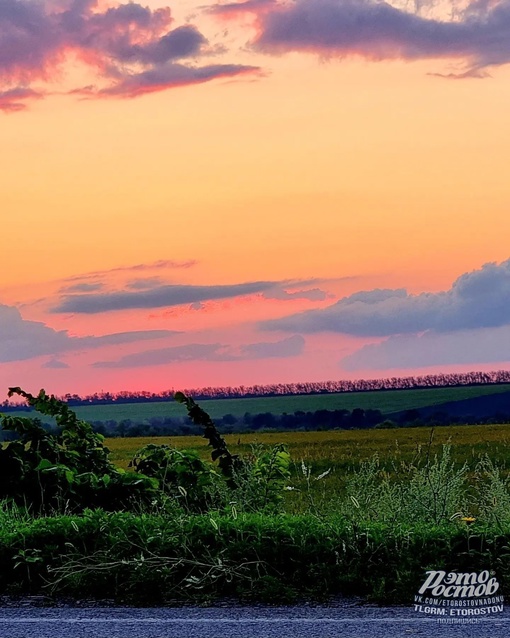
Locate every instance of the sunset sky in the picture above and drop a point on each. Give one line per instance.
(216, 193)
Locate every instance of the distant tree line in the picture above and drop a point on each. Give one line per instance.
(231, 424)
(414, 418)
(298, 421)
(291, 389)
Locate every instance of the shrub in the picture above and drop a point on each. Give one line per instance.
(181, 474)
(69, 470)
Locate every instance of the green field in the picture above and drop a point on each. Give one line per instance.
(341, 451)
(386, 401)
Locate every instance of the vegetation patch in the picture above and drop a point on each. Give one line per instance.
(155, 559)
(244, 520)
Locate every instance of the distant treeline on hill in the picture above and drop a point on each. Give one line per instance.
(298, 421)
(291, 389)
(231, 424)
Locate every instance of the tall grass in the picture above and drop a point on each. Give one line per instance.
(370, 458)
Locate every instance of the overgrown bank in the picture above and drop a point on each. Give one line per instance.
(155, 560)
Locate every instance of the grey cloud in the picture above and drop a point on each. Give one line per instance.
(144, 284)
(166, 76)
(182, 42)
(161, 264)
(485, 345)
(477, 299)
(21, 339)
(290, 347)
(376, 30)
(164, 356)
(118, 338)
(162, 296)
(313, 294)
(14, 100)
(55, 364)
(248, 6)
(83, 287)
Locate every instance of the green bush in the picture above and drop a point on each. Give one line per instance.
(70, 470)
(181, 474)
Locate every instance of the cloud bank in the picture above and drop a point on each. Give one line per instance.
(478, 299)
(132, 49)
(481, 346)
(21, 339)
(156, 297)
(467, 324)
(160, 264)
(152, 292)
(476, 34)
(290, 347)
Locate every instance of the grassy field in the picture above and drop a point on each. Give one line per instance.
(386, 401)
(342, 451)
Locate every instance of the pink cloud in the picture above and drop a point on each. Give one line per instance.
(14, 100)
(132, 49)
(234, 9)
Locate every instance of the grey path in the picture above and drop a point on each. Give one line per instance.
(239, 622)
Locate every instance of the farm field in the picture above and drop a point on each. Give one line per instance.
(387, 401)
(342, 449)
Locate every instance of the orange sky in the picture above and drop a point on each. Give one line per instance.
(320, 170)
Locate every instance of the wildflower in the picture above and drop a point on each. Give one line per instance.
(468, 519)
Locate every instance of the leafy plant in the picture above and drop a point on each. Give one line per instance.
(252, 483)
(69, 470)
(257, 482)
(270, 470)
(181, 474)
(227, 462)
